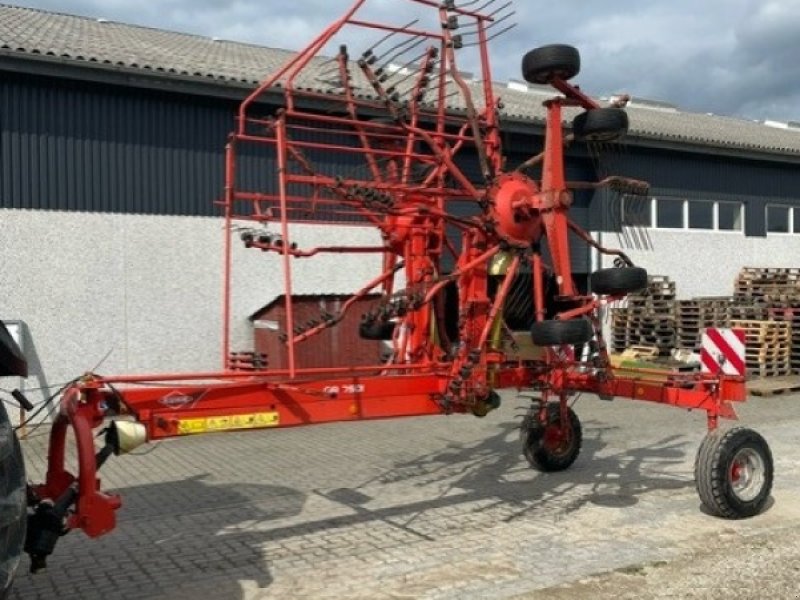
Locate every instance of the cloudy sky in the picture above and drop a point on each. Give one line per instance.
(732, 57)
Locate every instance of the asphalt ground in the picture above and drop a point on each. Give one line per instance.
(434, 507)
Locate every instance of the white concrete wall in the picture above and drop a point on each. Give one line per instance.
(146, 290)
(706, 263)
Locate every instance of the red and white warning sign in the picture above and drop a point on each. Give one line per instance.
(723, 351)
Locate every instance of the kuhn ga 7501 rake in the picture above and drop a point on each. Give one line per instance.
(462, 235)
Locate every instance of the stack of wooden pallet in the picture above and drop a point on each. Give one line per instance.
(768, 284)
(648, 319)
(767, 346)
(766, 304)
(773, 294)
(790, 314)
(747, 309)
(693, 316)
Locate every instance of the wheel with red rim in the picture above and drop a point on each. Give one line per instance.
(734, 472)
(550, 446)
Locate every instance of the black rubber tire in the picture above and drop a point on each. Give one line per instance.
(534, 443)
(13, 503)
(376, 330)
(618, 280)
(544, 64)
(713, 473)
(600, 125)
(557, 333)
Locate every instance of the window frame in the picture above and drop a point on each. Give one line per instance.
(714, 220)
(790, 224)
(715, 204)
(741, 211)
(684, 213)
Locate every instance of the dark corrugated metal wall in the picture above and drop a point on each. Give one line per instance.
(705, 176)
(69, 145)
(711, 173)
(75, 146)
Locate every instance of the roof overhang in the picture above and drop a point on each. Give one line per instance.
(163, 81)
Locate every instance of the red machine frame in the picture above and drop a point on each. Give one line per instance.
(406, 139)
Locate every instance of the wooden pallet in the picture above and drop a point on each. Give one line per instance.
(757, 313)
(768, 285)
(648, 318)
(778, 329)
(761, 358)
(768, 372)
(697, 328)
(774, 385)
(761, 271)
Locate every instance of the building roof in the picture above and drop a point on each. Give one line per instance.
(35, 34)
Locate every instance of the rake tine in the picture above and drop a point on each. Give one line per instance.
(397, 46)
(389, 61)
(497, 22)
(368, 51)
(408, 64)
(493, 36)
(494, 12)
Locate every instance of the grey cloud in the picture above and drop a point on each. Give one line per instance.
(736, 57)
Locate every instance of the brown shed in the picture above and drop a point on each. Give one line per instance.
(337, 346)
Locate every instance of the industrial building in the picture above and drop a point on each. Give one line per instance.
(111, 158)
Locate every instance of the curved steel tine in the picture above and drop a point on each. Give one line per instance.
(389, 35)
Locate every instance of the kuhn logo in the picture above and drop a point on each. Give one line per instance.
(179, 400)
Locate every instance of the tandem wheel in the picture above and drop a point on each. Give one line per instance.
(549, 447)
(544, 64)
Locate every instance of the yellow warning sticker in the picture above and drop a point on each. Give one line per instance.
(227, 422)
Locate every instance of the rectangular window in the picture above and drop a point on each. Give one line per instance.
(779, 219)
(669, 213)
(729, 217)
(701, 214)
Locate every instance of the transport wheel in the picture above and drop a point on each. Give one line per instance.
(733, 472)
(13, 503)
(621, 280)
(556, 333)
(376, 330)
(544, 64)
(549, 447)
(600, 125)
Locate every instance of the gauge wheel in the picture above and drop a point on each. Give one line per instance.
(733, 472)
(13, 503)
(618, 280)
(543, 65)
(600, 124)
(557, 333)
(549, 446)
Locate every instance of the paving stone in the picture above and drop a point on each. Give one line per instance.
(434, 507)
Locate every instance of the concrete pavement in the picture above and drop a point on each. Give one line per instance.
(433, 507)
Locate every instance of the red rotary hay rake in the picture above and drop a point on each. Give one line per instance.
(472, 254)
